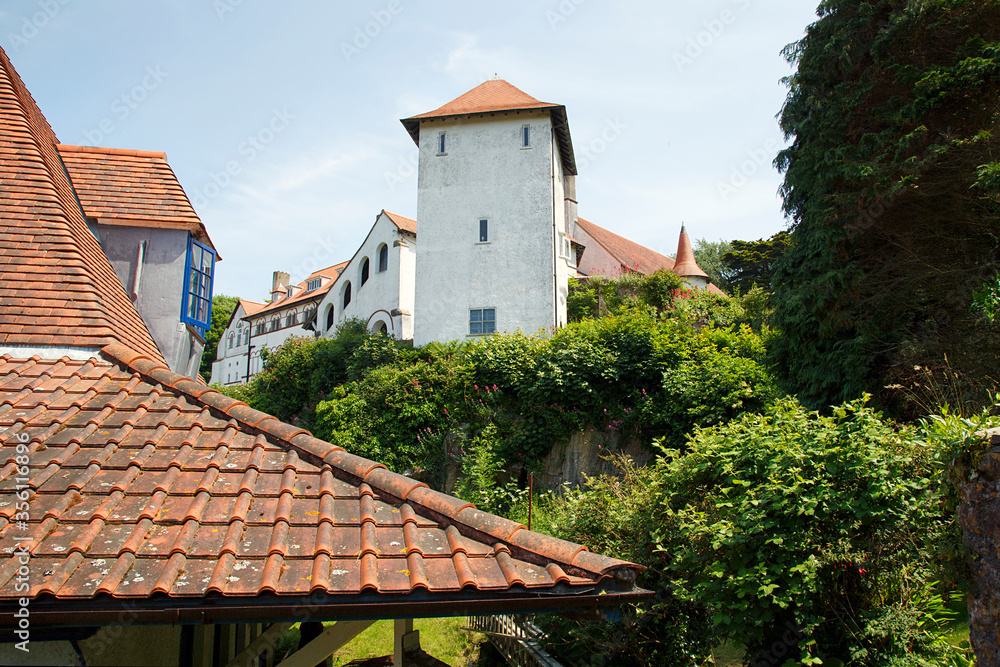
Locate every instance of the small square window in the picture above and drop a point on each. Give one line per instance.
(484, 231)
(482, 321)
(526, 136)
(441, 144)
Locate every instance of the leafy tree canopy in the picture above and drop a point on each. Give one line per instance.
(750, 264)
(893, 190)
(709, 256)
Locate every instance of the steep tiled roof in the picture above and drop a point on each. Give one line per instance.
(630, 254)
(402, 222)
(685, 264)
(489, 96)
(124, 187)
(144, 485)
(331, 272)
(56, 285)
(635, 257)
(497, 96)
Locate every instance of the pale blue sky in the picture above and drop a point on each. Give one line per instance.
(686, 92)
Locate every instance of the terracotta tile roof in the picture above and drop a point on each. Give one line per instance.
(497, 96)
(251, 307)
(489, 96)
(56, 285)
(125, 187)
(630, 254)
(145, 486)
(302, 297)
(402, 222)
(685, 264)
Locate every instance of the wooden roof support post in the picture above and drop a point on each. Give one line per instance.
(405, 640)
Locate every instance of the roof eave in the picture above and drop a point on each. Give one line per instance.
(48, 611)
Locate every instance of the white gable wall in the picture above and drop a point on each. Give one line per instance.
(387, 296)
(596, 261)
(487, 174)
(230, 366)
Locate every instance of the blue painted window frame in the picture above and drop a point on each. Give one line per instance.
(199, 316)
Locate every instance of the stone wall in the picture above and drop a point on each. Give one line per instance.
(979, 517)
(586, 452)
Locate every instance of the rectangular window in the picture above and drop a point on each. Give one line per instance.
(199, 271)
(484, 231)
(313, 285)
(441, 144)
(482, 321)
(526, 136)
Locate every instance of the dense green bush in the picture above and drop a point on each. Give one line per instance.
(645, 372)
(806, 537)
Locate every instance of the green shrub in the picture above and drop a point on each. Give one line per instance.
(819, 526)
(618, 516)
(806, 537)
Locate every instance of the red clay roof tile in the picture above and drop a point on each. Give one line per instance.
(135, 188)
(140, 518)
(48, 257)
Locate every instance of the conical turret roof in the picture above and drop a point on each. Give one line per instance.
(685, 264)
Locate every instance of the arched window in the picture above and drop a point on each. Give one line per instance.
(383, 258)
(329, 318)
(275, 323)
(231, 341)
(347, 294)
(364, 270)
(381, 328)
(292, 318)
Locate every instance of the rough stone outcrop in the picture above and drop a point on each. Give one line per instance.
(979, 517)
(583, 453)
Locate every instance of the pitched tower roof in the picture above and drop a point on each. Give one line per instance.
(685, 264)
(57, 287)
(498, 96)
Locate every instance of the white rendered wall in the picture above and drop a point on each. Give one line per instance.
(485, 174)
(230, 366)
(386, 295)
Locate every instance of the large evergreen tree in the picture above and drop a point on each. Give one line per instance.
(891, 185)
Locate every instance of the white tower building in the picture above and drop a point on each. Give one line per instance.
(495, 201)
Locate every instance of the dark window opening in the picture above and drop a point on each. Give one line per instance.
(364, 271)
(383, 258)
(482, 321)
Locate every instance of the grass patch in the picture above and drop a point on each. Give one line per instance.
(442, 638)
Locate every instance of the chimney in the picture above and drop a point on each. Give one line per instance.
(279, 285)
(685, 265)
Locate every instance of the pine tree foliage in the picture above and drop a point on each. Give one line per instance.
(752, 263)
(891, 186)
